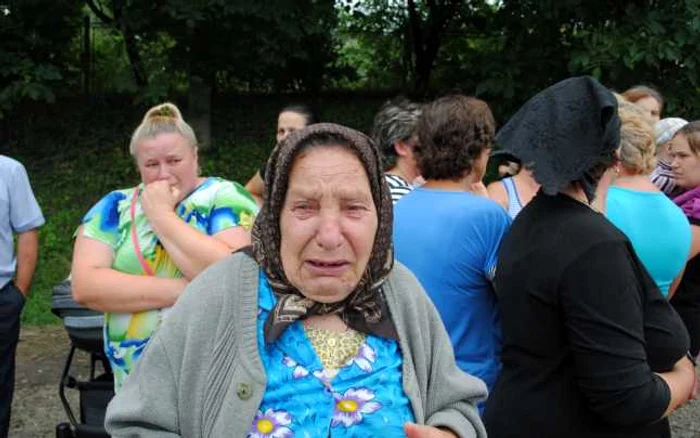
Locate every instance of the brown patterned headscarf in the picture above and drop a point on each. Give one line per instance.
(364, 309)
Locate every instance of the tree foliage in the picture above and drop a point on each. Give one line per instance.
(244, 45)
(502, 50)
(537, 42)
(36, 38)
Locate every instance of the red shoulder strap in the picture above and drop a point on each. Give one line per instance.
(134, 236)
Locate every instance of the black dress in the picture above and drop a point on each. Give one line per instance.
(686, 300)
(584, 329)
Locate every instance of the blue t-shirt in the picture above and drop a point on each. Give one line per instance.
(365, 397)
(450, 241)
(658, 229)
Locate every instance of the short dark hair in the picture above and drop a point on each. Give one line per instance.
(453, 131)
(305, 110)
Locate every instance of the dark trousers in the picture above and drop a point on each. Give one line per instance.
(11, 303)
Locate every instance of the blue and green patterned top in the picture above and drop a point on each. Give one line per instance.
(364, 398)
(216, 204)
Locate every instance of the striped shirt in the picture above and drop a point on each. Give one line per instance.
(398, 187)
(662, 177)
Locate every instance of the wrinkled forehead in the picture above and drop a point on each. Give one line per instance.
(334, 171)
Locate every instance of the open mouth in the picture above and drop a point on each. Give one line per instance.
(326, 268)
(320, 264)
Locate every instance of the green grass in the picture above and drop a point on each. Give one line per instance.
(76, 153)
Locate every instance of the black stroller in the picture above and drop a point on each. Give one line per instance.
(84, 328)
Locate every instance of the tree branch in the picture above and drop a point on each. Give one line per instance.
(122, 23)
(98, 12)
(415, 26)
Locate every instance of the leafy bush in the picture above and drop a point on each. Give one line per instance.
(35, 50)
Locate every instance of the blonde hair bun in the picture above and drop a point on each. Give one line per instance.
(165, 110)
(161, 119)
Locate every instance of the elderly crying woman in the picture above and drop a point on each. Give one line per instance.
(312, 331)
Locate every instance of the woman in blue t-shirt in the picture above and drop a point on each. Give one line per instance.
(657, 228)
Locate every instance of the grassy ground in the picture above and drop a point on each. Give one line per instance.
(77, 152)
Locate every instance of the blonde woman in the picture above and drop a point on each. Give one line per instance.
(657, 228)
(138, 247)
(649, 99)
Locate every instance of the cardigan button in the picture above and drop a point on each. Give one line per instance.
(244, 391)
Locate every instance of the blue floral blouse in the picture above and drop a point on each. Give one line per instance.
(365, 398)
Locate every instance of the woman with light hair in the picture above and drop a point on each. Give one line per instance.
(657, 228)
(648, 98)
(138, 248)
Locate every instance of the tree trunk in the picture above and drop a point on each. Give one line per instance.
(199, 109)
(426, 38)
(201, 87)
(132, 51)
(85, 56)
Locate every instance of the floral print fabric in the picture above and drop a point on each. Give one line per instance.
(364, 397)
(216, 204)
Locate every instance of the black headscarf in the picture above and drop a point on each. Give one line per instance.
(364, 309)
(563, 132)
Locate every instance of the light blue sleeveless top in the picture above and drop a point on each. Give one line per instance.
(514, 203)
(658, 229)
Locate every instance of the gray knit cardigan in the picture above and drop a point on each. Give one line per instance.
(201, 375)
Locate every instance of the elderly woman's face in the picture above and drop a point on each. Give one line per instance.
(328, 224)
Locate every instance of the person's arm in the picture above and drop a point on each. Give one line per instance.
(148, 408)
(256, 187)
(694, 250)
(413, 430)
(25, 218)
(449, 395)
(451, 405)
(496, 192)
(172, 389)
(27, 255)
(695, 242)
(191, 250)
(479, 189)
(680, 381)
(603, 313)
(674, 286)
(96, 285)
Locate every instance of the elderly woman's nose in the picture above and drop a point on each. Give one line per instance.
(329, 233)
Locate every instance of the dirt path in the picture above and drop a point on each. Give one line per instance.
(42, 353)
